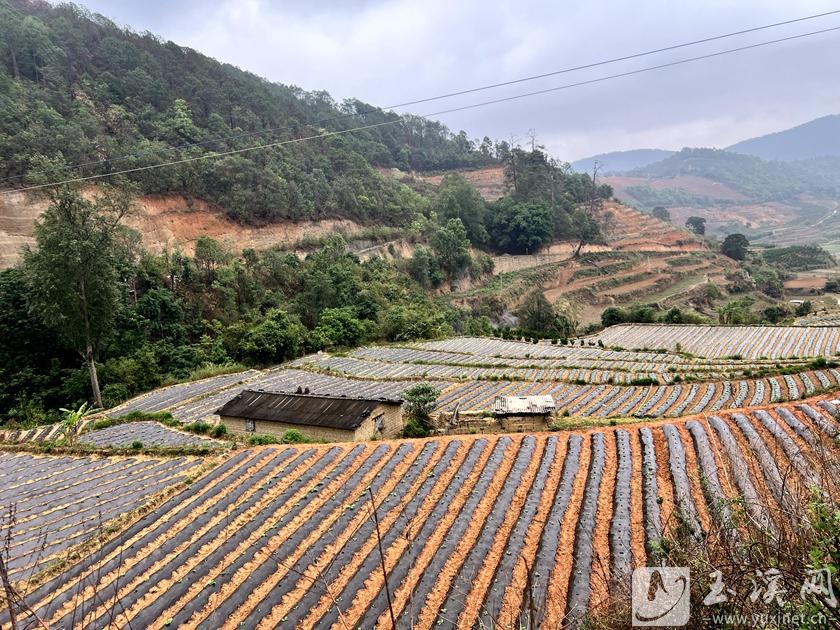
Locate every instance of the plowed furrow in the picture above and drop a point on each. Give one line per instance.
(490, 537)
(389, 498)
(717, 500)
(487, 594)
(442, 570)
(137, 573)
(650, 489)
(426, 534)
(518, 596)
(621, 553)
(250, 568)
(142, 532)
(323, 580)
(580, 586)
(742, 475)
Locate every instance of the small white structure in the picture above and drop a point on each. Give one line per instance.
(524, 413)
(523, 405)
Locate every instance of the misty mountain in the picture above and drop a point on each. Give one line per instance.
(621, 161)
(814, 139)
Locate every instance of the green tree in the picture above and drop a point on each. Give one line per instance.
(274, 340)
(452, 247)
(613, 315)
(72, 271)
(424, 268)
(457, 198)
(520, 227)
(804, 309)
(776, 313)
(210, 253)
(661, 213)
(73, 421)
(536, 313)
(420, 402)
(735, 246)
(736, 311)
(339, 327)
(696, 225)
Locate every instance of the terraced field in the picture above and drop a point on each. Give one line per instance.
(649, 401)
(60, 502)
(824, 319)
(285, 536)
(147, 433)
(750, 342)
(481, 358)
(586, 380)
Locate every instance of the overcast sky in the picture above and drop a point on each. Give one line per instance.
(389, 51)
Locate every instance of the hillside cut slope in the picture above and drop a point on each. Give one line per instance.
(168, 223)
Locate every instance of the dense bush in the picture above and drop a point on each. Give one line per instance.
(257, 440)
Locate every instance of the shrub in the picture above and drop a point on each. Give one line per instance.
(293, 436)
(137, 445)
(164, 417)
(420, 401)
(414, 429)
(257, 440)
(113, 394)
(102, 424)
(199, 427)
(219, 430)
(207, 370)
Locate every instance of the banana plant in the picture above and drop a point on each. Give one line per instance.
(73, 420)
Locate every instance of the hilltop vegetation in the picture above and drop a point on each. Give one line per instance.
(76, 89)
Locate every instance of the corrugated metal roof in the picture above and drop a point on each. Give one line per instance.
(336, 412)
(520, 405)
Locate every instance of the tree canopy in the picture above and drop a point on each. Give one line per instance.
(735, 246)
(73, 271)
(696, 225)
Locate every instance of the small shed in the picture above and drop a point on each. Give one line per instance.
(331, 418)
(524, 413)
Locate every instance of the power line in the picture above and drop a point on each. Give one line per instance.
(438, 113)
(446, 95)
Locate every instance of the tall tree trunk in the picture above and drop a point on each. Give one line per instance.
(91, 363)
(14, 62)
(94, 378)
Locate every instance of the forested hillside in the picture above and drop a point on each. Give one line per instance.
(755, 178)
(77, 89)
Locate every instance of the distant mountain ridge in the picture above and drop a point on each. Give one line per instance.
(818, 138)
(620, 161)
(814, 139)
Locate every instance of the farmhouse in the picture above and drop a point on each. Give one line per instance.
(332, 418)
(524, 413)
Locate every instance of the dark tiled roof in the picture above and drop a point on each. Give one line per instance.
(335, 412)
